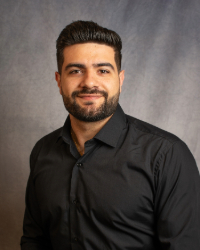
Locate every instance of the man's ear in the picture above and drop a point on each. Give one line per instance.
(58, 80)
(121, 79)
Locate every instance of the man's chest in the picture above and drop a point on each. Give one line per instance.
(115, 186)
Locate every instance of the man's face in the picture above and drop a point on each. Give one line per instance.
(90, 83)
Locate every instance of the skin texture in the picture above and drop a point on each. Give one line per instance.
(89, 76)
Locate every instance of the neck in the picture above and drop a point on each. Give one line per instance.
(84, 131)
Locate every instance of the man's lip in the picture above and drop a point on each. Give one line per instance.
(89, 96)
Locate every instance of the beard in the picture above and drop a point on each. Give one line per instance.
(90, 113)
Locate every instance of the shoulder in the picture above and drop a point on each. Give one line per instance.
(49, 138)
(172, 156)
(150, 130)
(158, 142)
(45, 143)
(172, 151)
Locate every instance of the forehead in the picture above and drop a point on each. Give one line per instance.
(89, 53)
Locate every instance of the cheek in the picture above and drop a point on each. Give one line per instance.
(67, 86)
(113, 88)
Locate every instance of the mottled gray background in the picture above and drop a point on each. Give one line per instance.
(161, 56)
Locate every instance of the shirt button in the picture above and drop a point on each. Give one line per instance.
(79, 164)
(76, 239)
(74, 202)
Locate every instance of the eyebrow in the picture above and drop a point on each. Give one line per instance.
(96, 65)
(77, 65)
(82, 66)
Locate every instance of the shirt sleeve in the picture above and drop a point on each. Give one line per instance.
(177, 202)
(33, 237)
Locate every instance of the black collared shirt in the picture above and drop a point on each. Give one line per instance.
(136, 187)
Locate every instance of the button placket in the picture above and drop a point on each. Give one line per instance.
(75, 207)
(74, 202)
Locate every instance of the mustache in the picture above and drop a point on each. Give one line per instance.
(89, 91)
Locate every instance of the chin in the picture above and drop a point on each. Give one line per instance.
(91, 104)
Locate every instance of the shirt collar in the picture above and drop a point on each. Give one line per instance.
(110, 132)
(65, 132)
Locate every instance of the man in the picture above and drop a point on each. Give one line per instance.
(106, 180)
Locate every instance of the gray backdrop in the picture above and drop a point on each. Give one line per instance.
(161, 56)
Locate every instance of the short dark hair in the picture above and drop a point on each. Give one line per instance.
(87, 31)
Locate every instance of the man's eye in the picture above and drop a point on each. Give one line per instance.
(75, 71)
(103, 71)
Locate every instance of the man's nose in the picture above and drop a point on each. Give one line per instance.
(89, 80)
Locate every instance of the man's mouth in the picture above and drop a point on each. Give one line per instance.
(89, 97)
(86, 94)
